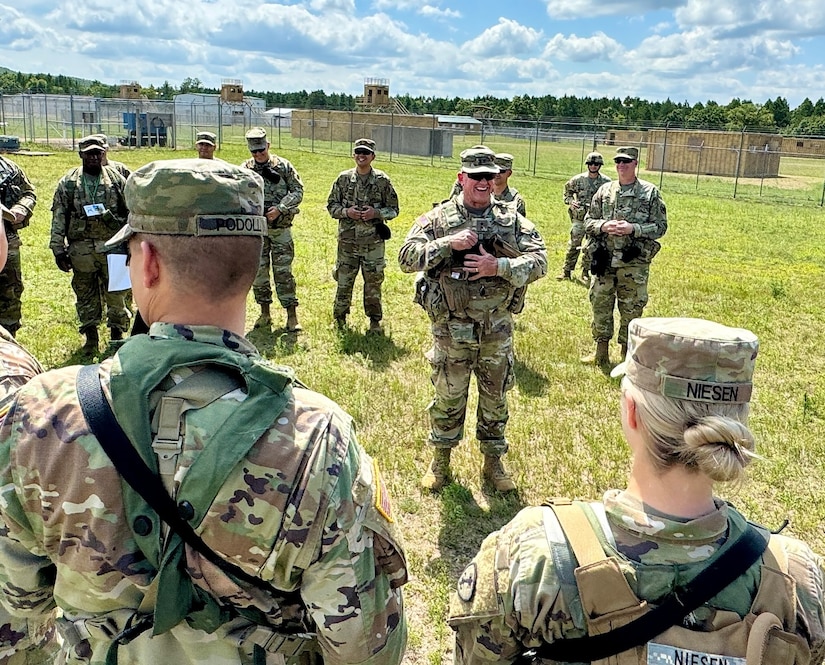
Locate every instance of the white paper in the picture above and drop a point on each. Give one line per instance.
(118, 273)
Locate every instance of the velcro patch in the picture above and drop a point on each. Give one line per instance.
(467, 583)
(382, 496)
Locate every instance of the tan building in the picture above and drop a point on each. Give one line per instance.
(714, 153)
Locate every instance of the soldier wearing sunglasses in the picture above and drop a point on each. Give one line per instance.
(623, 222)
(476, 254)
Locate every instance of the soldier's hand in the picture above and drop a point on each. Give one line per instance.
(19, 218)
(272, 214)
(368, 214)
(353, 213)
(462, 240)
(623, 228)
(63, 262)
(481, 265)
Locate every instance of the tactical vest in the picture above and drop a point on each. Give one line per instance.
(10, 194)
(446, 291)
(635, 209)
(275, 624)
(274, 192)
(109, 192)
(765, 636)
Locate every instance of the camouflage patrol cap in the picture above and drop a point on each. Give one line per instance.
(627, 152)
(504, 161)
(594, 158)
(193, 197)
(256, 139)
(364, 144)
(104, 139)
(690, 359)
(206, 137)
(479, 159)
(92, 142)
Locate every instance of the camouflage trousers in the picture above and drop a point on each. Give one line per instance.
(574, 247)
(278, 251)
(625, 287)
(462, 348)
(368, 257)
(90, 283)
(11, 292)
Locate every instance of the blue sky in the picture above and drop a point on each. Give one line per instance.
(685, 50)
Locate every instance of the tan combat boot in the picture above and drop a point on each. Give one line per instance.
(292, 324)
(438, 474)
(494, 473)
(601, 357)
(265, 319)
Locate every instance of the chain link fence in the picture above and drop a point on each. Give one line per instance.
(741, 164)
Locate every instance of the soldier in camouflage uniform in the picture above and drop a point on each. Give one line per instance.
(18, 195)
(363, 200)
(624, 219)
(268, 473)
(283, 192)
(477, 255)
(578, 192)
(501, 189)
(684, 414)
(88, 208)
(21, 642)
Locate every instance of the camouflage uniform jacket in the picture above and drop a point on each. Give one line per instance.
(286, 194)
(511, 195)
(73, 192)
(302, 506)
(351, 190)
(427, 248)
(520, 598)
(639, 203)
(581, 188)
(17, 194)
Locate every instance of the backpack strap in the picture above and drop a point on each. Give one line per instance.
(136, 473)
(741, 555)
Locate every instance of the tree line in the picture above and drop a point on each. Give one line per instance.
(774, 115)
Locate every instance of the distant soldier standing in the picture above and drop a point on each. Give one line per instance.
(623, 222)
(477, 255)
(283, 193)
(362, 199)
(88, 209)
(578, 192)
(501, 189)
(18, 195)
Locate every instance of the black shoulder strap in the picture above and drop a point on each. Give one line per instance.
(142, 479)
(723, 571)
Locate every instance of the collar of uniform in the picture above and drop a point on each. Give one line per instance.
(632, 516)
(204, 335)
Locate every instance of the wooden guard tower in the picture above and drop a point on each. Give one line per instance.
(232, 90)
(130, 90)
(376, 94)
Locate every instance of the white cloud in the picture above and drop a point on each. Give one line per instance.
(507, 37)
(435, 12)
(573, 9)
(800, 17)
(582, 49)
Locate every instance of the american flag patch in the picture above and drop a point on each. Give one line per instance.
(382, 496)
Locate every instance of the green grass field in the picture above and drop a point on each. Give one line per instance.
(741, 262)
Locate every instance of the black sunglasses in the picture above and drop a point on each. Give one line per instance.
(622, 161)
(480, 176)
(361, 151)
(257, 150)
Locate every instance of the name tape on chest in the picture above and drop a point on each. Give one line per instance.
(662, 654)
